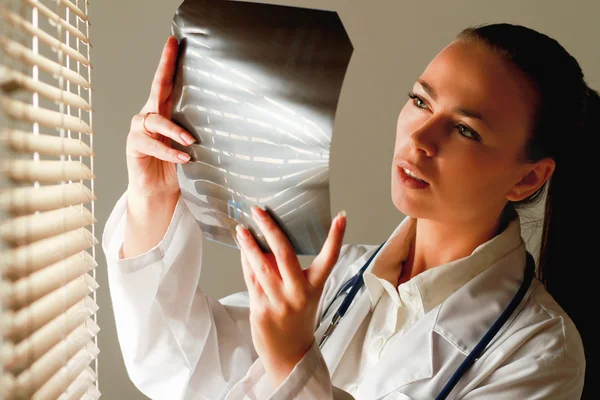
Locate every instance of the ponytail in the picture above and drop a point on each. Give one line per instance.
(566, 125)
(553, 264)
(566, 256)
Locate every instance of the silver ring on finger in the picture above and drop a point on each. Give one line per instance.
(144, 120)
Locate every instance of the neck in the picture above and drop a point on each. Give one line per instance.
(437, 243)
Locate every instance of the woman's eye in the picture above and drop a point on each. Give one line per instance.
(462, 129)
(468, 133)
(417, 101)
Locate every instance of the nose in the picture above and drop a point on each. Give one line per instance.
(426, 137)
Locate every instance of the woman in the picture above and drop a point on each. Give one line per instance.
(482, 133)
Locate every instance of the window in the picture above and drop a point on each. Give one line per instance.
(48, 344)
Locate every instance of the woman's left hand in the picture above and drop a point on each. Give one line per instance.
(283, 297)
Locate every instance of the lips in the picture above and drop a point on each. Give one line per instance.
(413, 171)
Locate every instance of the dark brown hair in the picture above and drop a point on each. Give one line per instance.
(566, 116)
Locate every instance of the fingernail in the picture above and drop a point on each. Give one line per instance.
(187, 138)
(239, 229)
(256, 213)
(184, 157)
(342, 219)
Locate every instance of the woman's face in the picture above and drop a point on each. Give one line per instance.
(463, 132)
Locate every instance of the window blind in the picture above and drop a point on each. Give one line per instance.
(48, 342)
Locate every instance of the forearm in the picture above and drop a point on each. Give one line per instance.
(147, 221)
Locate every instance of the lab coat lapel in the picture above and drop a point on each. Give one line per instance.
(409, 359)
(335, 347)
(479, 303)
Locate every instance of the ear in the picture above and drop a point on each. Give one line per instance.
(534, 176)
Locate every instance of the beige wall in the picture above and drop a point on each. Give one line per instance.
(393, 39)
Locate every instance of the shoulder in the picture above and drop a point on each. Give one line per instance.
(542, 330)
(540, 352)
(561, 331)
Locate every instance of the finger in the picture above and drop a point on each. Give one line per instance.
(156, 123)
(142, 144)
(255, 291)
(285, 256)
(265, 273)
(321, 267)
(163, 77)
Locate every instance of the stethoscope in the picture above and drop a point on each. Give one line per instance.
(354, 284)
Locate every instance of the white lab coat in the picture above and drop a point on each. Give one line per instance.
(179, 343)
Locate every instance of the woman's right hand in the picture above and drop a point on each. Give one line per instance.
(151, 160)
(153, 190)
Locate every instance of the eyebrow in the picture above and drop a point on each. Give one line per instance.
(463, 111)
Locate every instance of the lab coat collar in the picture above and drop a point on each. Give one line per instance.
(385, 263)
(394, 251)
(462, 319)
(397, 247)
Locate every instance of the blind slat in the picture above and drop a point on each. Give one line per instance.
(46, 171)
(20, 357)
(27, 386)
(74, 261)
(52, 119)
(34, 227)
(25, 55)
(46, 365)
(66, 375)
(58, 20)
(31, 318)
(7, 384)
(30, 288)
(14, 80)
(34, 256)
(48, 39)
(50, 334)
(27, 142)
(92, 394)
(78, 388)
(26, 200)
(75, 9)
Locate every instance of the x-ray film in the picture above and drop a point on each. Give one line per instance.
(257, 85)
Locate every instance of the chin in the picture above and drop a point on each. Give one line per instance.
(408, 206)
(405, 205)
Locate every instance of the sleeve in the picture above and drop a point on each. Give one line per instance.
(177, 343)
(308, 380)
